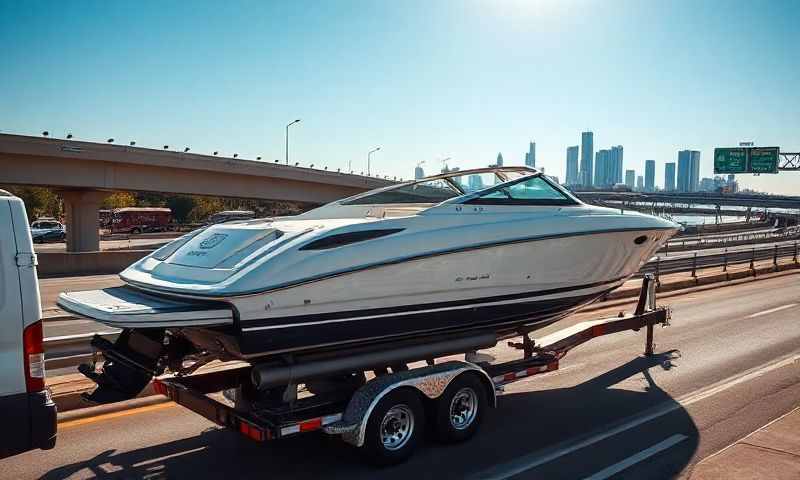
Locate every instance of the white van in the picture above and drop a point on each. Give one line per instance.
(27, 412)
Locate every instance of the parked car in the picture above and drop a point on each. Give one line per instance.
(27, 411)
(47, 230)
(140, 219)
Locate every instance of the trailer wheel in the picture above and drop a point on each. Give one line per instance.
(458, 412)
(393, 428)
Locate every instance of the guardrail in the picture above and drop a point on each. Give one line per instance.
(721, 241)
(72, 350)
(661, 266)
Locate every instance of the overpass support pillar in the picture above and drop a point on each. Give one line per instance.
(81, 212)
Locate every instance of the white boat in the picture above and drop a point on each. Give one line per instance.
(497, 249)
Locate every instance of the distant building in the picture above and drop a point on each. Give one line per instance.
(639, 183)
(475, 182)
(419, 172)
(587, 157)
(499, 162)
(601, 160)
(706, 184)
(688, 171)
(669, 176)
(530, 157)
(732, 184)
(649, 175)
(615, 165)
(572, 166)
(630, 178)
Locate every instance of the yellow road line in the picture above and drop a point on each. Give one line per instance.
(111, 415)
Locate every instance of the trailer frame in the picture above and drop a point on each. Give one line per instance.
(349, 416)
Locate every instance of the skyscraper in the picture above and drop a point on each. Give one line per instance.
(639, 183)
(419, 172)
(499, 162)
(601, 160)
(688, 170)
(630, 178)
(530, 157)
(587, 155)
(649, 175)
(572, 166)
(669, 176)
(615, 165)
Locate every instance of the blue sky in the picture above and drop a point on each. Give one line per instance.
(424, 80)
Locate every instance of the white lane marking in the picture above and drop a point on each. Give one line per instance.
(634, 459)
(527, 462)
(772, 310)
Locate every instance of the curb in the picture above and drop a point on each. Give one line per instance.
(96, 411)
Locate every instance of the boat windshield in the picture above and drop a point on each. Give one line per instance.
(535, 190)
(439, 189)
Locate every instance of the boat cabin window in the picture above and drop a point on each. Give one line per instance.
(531, 191)
(433, 191)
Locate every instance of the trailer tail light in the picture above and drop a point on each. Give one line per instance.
(160, 388)
(33, 352)
(249, 430)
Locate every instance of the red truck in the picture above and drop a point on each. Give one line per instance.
(140, 219)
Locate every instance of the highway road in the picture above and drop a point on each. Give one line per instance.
(729, 364)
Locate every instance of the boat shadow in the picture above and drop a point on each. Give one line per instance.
(523, 424)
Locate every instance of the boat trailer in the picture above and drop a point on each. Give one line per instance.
(380, 416)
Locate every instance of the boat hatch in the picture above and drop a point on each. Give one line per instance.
(130, 308)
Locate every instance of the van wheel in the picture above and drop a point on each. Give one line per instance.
(394, 428)
(458, 412)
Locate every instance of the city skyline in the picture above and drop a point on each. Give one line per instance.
(228, 78)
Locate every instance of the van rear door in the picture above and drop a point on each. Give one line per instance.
(27, 411)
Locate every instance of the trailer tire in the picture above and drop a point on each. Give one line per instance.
(393, 428)
(459, 411)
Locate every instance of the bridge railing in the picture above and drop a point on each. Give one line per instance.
(661, 266)
(734, 239)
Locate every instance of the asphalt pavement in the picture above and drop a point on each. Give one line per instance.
(728, 365)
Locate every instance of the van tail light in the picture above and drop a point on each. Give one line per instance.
(32, 340)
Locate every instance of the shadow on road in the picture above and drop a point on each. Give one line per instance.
(522, 425)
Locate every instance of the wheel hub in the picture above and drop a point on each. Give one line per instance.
(397, 427)
(463, 408)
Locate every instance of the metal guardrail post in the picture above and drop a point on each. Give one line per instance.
(752, 261)
(658, 270)
(694, 265)
(725, 260)
(775, 258)
(795, 252)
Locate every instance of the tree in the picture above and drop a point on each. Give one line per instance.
(181, 206)
(39, 201)
(119, 200)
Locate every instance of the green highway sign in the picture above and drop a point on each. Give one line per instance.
(746, 160)
(764, 159)
(730, 160)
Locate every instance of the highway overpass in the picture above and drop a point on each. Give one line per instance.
(85, 173)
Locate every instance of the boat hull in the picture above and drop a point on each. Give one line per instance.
(503, 288)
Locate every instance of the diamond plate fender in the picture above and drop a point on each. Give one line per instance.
(431, 381)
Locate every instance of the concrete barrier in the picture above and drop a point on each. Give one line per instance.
(60, 264)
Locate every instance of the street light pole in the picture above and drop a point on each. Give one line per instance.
(369, 158)
(287, 139)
